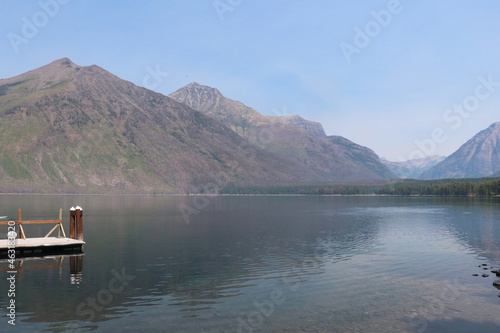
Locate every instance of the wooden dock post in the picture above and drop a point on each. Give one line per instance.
(60, 225)
(72, 222)
(79, 223)
(76, 223)
(21, 230)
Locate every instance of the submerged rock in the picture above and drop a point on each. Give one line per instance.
(496, 284)
(485, 275)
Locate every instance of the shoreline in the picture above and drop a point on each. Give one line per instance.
(249, 195)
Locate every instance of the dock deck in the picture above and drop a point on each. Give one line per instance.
(41, 245)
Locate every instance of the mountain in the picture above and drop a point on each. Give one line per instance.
(478, 157)
(298, 140)
(413, 168)
(312, 127)
(235, 114)
(69, 128)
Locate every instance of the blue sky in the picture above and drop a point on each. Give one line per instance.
(395, 93)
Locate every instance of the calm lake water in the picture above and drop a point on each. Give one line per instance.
(262, 264)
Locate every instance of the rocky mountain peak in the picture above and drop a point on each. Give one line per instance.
(198, 97)
(54, 72)
(478, 157)
(211, 101)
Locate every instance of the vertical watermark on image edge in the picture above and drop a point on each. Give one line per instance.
(12, 272)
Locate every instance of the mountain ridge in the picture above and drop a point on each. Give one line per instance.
(478, 157)
(299, 141)
(74, 128)
(210, 100)
(414, 168)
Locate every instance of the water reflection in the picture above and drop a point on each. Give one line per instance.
(475, 223)
(335, 262)
(75, 269)
(46, 263)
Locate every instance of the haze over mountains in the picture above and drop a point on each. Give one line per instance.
(70, 128)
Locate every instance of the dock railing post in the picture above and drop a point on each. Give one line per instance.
(79, 223)
(21, 230)
(60, 224)
(72, 222)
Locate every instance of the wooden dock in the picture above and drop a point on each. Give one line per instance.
(36, 246)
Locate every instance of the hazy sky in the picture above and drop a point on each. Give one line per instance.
(400, 77)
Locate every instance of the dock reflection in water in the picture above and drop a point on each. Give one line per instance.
(47, 263)
(75, 269)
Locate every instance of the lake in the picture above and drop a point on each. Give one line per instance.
(262, 264)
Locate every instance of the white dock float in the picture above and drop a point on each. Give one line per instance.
(42, 245)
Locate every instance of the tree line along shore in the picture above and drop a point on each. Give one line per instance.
(409, 187)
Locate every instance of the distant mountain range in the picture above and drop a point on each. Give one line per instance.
(478, 157)
(413, 169)
(68, 128)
